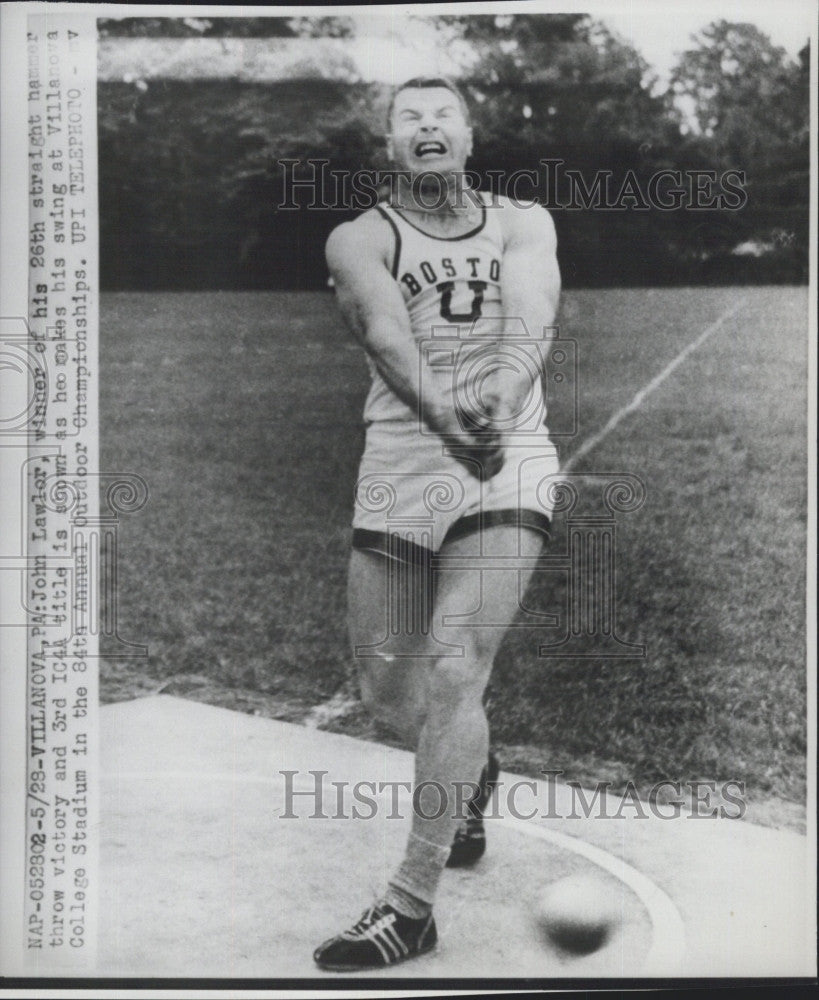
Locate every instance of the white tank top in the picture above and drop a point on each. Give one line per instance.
(452, 289)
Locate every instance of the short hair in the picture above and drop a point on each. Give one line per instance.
(423, 83)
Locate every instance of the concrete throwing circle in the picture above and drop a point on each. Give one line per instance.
(204, 876)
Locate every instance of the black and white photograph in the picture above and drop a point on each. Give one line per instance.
(408, 442)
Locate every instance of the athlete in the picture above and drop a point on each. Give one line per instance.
(449, 292)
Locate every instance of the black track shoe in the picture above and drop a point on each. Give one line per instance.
(382, 937)
(469, 843)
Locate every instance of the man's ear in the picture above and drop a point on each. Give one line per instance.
(390, 146)
(469, 145)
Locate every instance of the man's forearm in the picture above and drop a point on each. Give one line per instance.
(521, 363)
(395, 355)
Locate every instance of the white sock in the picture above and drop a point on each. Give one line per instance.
(417, 876)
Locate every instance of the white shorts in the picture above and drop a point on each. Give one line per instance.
(411, 495)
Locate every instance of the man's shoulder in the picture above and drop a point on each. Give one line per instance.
(362, 228)
(367, 234)
(518, 208)
(522, 218)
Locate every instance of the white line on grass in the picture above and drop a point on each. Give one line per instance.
(645, 392)
(334, 708)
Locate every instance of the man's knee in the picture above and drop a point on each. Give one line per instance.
(458, 680)
(396, 705)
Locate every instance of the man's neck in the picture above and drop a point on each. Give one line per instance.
(439, 195)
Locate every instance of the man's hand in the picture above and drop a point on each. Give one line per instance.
(473, 440)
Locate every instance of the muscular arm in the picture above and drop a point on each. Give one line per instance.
(530, 291)
(373, 307)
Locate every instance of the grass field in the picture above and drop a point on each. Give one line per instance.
(242, 412)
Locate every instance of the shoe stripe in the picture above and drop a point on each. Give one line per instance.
(390, 931)
(372, 935)
(377, 933)
(358, 932)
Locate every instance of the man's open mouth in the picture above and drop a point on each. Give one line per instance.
(430, 149)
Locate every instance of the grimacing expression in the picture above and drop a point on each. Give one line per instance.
(429, 131)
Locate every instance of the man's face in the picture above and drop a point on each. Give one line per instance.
(429, 131)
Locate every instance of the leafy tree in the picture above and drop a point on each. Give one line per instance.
(565, 87)
(746, 96)
(226, 27)
(195, 27)
(323, 27)
(749, 106)
(561, 77)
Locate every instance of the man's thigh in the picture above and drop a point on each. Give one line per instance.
(481, 580)
(389, 603)
(390, 613)
(403, 618)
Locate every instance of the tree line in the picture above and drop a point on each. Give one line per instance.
(704, 181)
